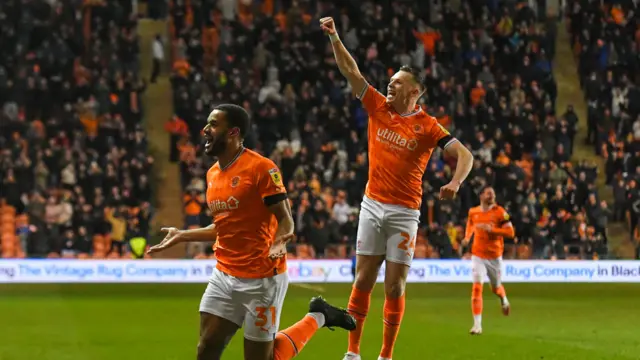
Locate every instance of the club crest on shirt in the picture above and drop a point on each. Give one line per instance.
(417, 128)
(275, 176)
(235, 181)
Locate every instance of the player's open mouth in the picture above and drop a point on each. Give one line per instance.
(208, 142)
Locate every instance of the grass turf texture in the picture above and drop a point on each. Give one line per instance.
(99, 322)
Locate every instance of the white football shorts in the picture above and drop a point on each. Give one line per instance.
(483, 268)
(255, 304)
(389, 230)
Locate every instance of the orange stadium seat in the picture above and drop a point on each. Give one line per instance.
(98, 243)
(421, 251)
(304, 251)
(6, 209)
(336, 252)
(524, 251)
(8, 227)
(22, 220)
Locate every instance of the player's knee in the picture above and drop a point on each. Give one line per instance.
(395, 279)
(203, 349)
(367, 272)
(394, 289)
(365, 281)
(210, 349)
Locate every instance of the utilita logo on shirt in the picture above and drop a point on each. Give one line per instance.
(395, 140)
(218, 205)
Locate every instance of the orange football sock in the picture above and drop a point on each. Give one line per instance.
(359, 302)
(476, 299)
(393, 313)
(500, 291)
(290, 342)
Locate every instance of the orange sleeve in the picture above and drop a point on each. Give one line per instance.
(438, 136)
(501, 230)
(470, 228)
(269, 179)
(508, 232)
(372, 99)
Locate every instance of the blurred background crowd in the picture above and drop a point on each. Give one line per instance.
(605, 41)
(74, 167)
(77, 177)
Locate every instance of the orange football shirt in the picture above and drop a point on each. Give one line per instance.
(486, 245)
(246, 227)
(399, 149)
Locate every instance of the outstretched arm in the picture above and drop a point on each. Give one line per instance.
(176, 236)
(346, 64)
(209, 233)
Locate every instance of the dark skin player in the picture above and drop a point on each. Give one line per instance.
(224, 140)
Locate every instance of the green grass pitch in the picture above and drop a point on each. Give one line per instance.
(160, 322)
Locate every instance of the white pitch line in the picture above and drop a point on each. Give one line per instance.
(316, 288)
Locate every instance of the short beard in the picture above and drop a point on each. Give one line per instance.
(217, 148)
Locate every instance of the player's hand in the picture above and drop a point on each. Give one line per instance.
(279, 247)
(172, 238)
(449, 191)
(485, 227)
(328, 25)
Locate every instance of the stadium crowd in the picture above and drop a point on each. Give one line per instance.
(71, 143)
(71, 140)
(606, 38)
(489, 80)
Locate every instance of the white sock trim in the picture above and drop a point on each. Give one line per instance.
(318, 317)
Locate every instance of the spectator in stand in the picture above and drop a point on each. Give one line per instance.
(606, 39)
(489, 82)
(157, 51)
(70, 129)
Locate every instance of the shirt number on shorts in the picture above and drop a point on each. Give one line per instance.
(407, 243)
(261, 317)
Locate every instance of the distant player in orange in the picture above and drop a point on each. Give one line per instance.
(251, 225)
(489, 223)
(401, 139)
